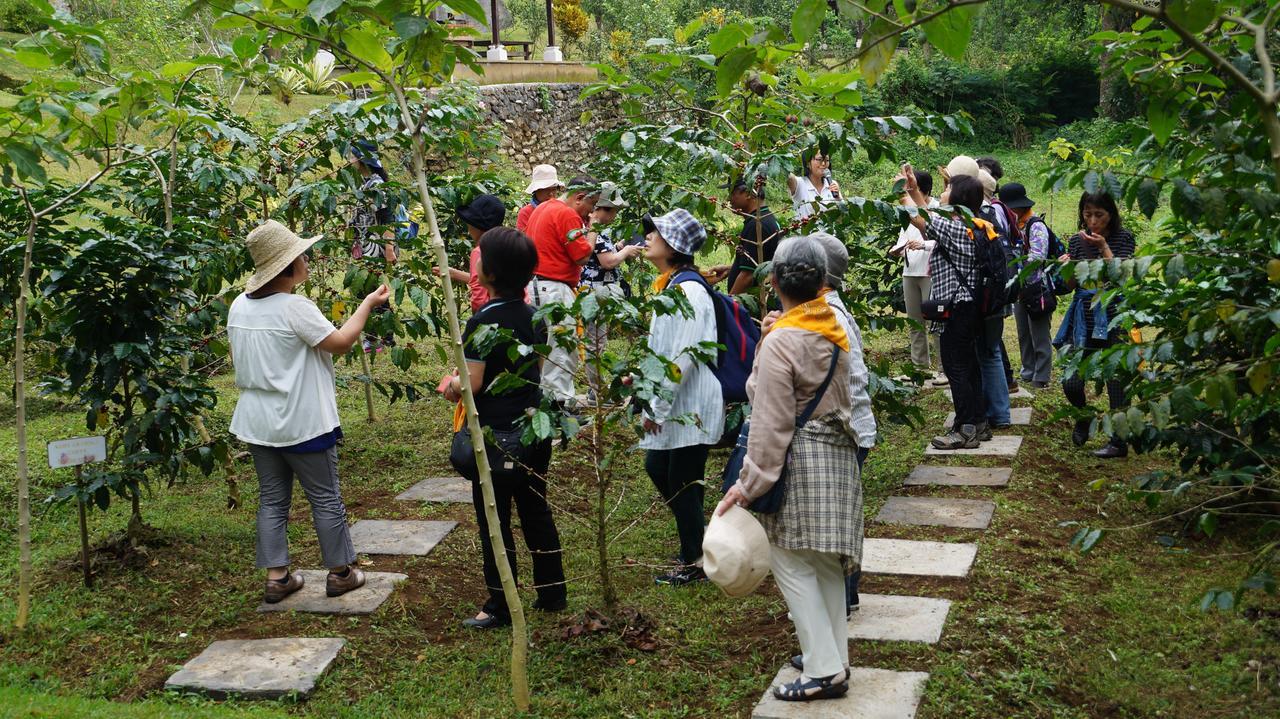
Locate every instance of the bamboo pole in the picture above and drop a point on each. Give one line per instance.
(20, 403)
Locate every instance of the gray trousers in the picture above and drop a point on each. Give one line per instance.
(317, 472)
(1034, 343)
(915, 291)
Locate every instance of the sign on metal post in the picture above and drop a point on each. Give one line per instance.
(75, 452)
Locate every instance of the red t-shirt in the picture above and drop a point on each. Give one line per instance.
(522, 218)
(559, 234)
(479, 295)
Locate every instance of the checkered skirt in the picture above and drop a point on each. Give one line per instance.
(822, 508)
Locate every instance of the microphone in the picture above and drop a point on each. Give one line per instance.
(826, 175)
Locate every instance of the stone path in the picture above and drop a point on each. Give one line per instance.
(1001, 445)
(881, 693)
(438, 489)
(934, 475)
(257, 668)
(874, 694)
(311, 598)
(398, 536)
(937, 512)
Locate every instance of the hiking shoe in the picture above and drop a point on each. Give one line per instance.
(1112, 451)
(966, 438)
(278, 590)
(336, 585)
(983, 432)
(682, 575)
(1080, 433)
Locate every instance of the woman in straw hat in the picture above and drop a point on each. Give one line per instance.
(802, 368)
(282, 348)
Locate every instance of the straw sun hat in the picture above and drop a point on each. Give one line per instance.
(273, 247)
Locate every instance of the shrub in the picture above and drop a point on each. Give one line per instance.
(20, 16)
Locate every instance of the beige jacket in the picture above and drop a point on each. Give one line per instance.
(790, 365)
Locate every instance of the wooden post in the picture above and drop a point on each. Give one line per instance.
(493, 22)
(551, 26)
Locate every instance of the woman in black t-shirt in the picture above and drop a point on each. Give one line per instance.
(518, 470)
(1087, 321)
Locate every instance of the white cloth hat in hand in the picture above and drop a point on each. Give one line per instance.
(735, 552)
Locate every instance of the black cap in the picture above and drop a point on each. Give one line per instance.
(1014, 196)
(484, 213)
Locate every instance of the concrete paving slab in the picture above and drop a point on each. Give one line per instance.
(311, 598)
(873, 694)
(1001, 445)
(895, 618)
(438, 489)
(258, 668)
(925, 474)
(937, 512)
(1017, 415)
(398, 536)
(909, 556)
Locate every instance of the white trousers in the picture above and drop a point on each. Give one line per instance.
(813, 585)
(561, 364)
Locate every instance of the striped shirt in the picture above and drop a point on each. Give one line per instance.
(697, 396)
(861, 420)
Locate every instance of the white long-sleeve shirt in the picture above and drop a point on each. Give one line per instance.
(697, 396)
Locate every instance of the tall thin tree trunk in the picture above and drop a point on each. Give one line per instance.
(519, 629)
(1115, 96)
(20, 403)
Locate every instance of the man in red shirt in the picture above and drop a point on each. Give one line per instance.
(558, 227)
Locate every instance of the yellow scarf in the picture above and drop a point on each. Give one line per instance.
(983, 224)
(815, 316)
(663, 280)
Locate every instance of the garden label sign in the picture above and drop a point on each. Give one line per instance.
(75, 452)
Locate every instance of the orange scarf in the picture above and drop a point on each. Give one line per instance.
(663, 280)
(815, 316)
(984, 225)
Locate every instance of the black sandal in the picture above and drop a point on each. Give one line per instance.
(801, 690)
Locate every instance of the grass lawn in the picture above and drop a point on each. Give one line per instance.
(1037, 630)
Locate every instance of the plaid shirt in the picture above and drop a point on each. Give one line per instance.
(953, 264)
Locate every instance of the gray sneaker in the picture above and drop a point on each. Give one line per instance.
(965, 438)
(983, 432)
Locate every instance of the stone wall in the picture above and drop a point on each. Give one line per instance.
(540, 122)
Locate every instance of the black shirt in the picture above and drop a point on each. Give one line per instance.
(1122, 244)
(744, 259)
(501, 410)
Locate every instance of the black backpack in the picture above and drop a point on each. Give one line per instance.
(1053, 268)
(997, 266)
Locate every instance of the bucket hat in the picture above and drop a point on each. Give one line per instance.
(1014, 195)
(273, 247)
(543, 176)
(610, 196)
(485, 212)
(680, 231)
(367, 153)
(735, 552)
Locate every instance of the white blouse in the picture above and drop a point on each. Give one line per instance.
(805, 195)
(697, 396)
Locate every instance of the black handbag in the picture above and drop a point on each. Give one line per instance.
(503, 447)
(937, 310)
(1039, 298)
(770, 502)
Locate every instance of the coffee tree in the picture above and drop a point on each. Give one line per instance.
(1207, 286)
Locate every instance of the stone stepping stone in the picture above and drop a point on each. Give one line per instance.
(398, 536)
(910, 556)
(1017, 415)
(257, 668)
(1001, 445)
(438, 489)
(937, 512)
(311, 598)
(873, 694)
(1022, 393)
(925, 474)
(894, 618)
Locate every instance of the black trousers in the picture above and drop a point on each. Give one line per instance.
(529, 494)
(959, 348)
(1073, 386)
(678, 475)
